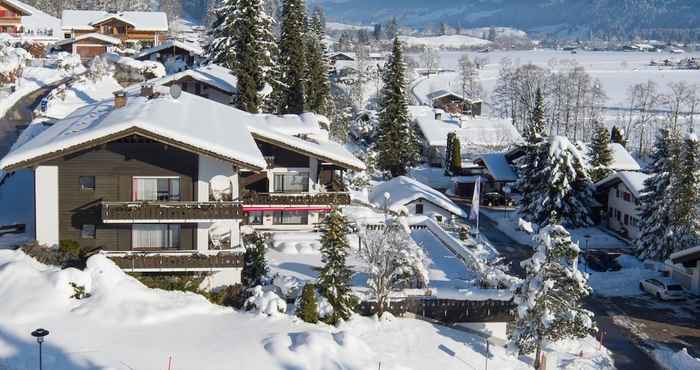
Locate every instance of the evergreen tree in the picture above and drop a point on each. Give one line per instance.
(528, 183)
(307, 309)
(549, 298)
(318, 89)
(291, 58)
(254, 262)
(221, 49)
(564, 191)
(655, 210)
(453, 155)
(397, 141)
(600, 154)
(334, 277)
(617, 136)
(685, 194)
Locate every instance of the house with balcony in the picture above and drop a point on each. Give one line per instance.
(11, 13)
(162, 183)
(619, 194)
(175, 55)
(130, 27)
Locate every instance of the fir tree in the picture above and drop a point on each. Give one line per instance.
(564, 186)
(221, 49)
(600, 154)
(397, 141)
(307, 309)
(334, 277)
(318, 88)
(528, 183)
(685, 194)
(549, 298)
(254, 263)
(655, 211)
(617, 136)
(291, 58)
(453, 155)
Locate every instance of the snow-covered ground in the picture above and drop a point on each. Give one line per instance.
(445, 42)
(32, 79)
(79, 94)
(124, 325)
(624, 282)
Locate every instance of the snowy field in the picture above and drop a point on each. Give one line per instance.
(616, 70)
(124, 325)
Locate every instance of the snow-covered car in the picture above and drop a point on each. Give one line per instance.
(663, 289)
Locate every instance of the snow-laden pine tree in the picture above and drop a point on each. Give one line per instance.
(655, 209)
(334, 277)
(565, 186)
(307, 307)
(685, 194)
(397, 141)
(528, 183)
(254, 262)
(393, 261)
(453, 155)
(600, 154)
(318, 88)
(291, 58)
(548, 301)
(243, 42)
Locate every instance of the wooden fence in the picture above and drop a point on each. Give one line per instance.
(447, 311)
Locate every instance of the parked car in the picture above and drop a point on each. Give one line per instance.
(664, 289)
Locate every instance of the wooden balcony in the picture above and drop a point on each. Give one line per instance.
(169, 211)
(296, 199)
(173, 260)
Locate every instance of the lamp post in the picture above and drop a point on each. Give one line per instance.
(39, 334)
(386, 206)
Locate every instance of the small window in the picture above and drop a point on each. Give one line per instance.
(87, 231)
(618, 214)
(87, 182)
(627, 220)
(627, 197)
(419, 209)
(255, 218)
(66, 35)
(611, 214)
(438, 218)
(617, 193)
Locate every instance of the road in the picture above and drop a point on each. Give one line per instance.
(621, 341)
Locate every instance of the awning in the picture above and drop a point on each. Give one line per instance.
(292, 209)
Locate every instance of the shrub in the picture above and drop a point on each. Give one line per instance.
(79, 291)
(230, 295)
(307, 308)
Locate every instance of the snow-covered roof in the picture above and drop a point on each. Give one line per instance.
(634, 181)
(142, 21)
(493, 133)
(191, 120)
(498, 167)
(93, 35)
(622, 159)
(678, 256)
(38, 20)
(293, 124)
(442, 93)
(210, 74)
(190, 47)
(19, 6)
(404, 190)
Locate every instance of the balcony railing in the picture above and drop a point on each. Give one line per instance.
(175, 260)
(170, 211)
(305, 199)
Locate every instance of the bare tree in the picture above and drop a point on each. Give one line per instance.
(430, 59)
(471, 85)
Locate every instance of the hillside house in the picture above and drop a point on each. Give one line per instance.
(454, 103)
(619, 194)
(88, 45)
(163, 184)
(176, 56)
(144, 28)
(210, 81)
(11, 13)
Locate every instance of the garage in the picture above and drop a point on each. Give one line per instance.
(88, 46)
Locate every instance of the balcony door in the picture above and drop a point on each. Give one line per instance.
(156, 189)
(155, 236)
(291, 182)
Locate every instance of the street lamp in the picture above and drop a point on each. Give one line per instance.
(386, 205)
(39, 334)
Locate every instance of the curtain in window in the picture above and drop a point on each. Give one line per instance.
(291, 182)
(155, 236)
(148, 189)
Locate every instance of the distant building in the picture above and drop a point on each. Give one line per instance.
(176, 56)
(145, 28)
(210, 81)
(11, 13)
(88, 45)
(454, 103)
(619, 194)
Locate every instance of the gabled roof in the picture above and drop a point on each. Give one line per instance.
(192, 123)
(498, 166)
(93, 35)
(142, 21)
(403, 190)
(210, 74)
(634, 181)
(190, 47)
(486, 133)
(109, 17)
(622, 159)
(443, 93)
(23, 8)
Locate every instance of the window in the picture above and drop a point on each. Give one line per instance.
(634, 221)
(290, 218)
(255, 218)
(66, 35)
(627, 220)
(291, 182)
(419, 209)
(627, 197)
(438, 218)
(87, 182)
(617, 193)
(617, 215)
(87, 231)
(156, 188)
(155, 236)
(611, 214)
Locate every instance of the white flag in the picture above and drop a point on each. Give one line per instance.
(474, 214)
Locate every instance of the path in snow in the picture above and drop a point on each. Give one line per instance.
(445, 270)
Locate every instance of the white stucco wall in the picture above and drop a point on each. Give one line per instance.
(208, 169)
(429, 209)
(625, 208)
(46, 205)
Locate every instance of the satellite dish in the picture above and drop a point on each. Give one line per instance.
(175, 91)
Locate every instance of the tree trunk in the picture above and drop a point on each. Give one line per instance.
(538, 353)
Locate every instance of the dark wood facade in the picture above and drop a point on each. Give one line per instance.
(113, 166)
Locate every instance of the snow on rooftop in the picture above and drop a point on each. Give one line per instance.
(634, 181)
(20, 5)
(192, 48)
(211, 74)
(190, 119)
(445, 41)
(142, 21)
(92, 35)
(437, 94)
(622, 159)
(498, 167)
(480, 132)
(404, 190)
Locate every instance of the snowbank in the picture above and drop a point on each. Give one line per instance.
(680, 360)
(624, 282)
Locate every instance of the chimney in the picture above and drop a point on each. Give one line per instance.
(147, 91)
(119, 99)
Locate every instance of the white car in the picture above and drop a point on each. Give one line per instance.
(664, 289)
